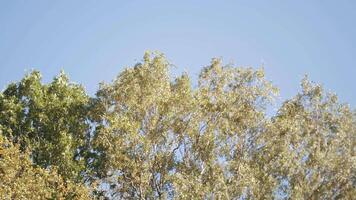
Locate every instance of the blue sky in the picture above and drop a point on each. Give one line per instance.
(94, 40)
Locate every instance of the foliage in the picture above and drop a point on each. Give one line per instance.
(149, 136)
(311, 145)
(21, 180)
(50, 119)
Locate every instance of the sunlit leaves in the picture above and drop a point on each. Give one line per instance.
(147, 135)
(21, 180)
(50, 119)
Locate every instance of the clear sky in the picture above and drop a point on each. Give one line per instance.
(94, 40)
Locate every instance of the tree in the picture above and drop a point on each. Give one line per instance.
(49, 119)
(21, 180)
(161, 138)
(147, 135)
(310, 146)
(144, 117)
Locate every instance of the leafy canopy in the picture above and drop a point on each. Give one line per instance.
(147, 135)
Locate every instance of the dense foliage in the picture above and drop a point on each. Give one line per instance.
(146, 135)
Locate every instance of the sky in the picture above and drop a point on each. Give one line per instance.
(92, 40)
